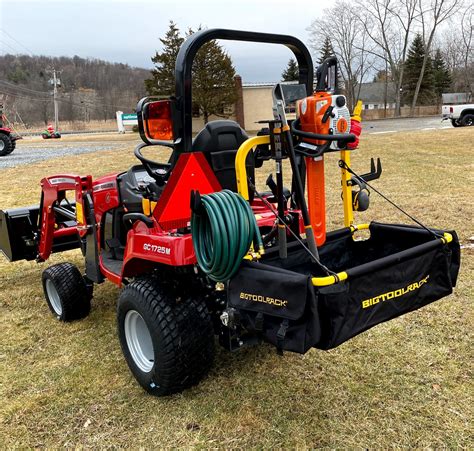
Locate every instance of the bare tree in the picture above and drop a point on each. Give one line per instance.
(431, 13)
(389, 25)
(457, 46)
(349, 43)
(451, 47)
(467, 31)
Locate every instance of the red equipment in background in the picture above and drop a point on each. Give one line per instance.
(8, 136)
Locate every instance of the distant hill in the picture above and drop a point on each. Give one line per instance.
(90, 88)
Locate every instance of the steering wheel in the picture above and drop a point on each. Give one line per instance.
(158, 171)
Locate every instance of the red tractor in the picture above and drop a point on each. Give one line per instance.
(200, 252)
(8, 137)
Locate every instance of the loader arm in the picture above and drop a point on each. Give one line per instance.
(53, 192)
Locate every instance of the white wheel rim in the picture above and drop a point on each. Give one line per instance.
(2, 145)
(53, 297)
(138, 340)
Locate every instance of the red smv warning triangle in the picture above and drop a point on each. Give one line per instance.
(192, 172)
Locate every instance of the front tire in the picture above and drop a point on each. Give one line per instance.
(168, 343)
(12, 148)
(66, 292)
(6, 145)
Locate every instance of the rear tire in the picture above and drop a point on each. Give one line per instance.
(467, 120)
(5, 145)
(66, 292)
(455, 123)
(168, 343)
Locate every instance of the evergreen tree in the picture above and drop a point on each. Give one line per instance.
(442, 76)
(413, 64)
(326, 51)
(162, 82)
(213, 75)
(291, 73)
(213, 80)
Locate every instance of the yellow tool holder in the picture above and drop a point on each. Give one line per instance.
(243, 189)
(240, 169)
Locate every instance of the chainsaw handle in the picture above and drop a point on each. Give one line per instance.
(326, 75)
(346, 137)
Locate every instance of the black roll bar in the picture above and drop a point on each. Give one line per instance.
(184, 62)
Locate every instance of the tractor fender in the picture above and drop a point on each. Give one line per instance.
(150, 247)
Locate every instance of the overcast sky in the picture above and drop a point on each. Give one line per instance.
(129, 31)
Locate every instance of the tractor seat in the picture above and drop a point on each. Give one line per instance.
(219, 141)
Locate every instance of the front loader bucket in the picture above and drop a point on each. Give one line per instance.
(294, 305)
(18, 231)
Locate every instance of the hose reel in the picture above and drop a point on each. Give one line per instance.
(223, 228)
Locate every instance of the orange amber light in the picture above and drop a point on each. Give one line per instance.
(158, 120)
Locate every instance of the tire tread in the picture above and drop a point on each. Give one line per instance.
(187, 336)
(72, 290)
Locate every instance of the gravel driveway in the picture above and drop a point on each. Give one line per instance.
(26, 153)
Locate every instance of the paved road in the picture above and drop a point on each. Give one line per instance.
(405, 124)
(31, 152)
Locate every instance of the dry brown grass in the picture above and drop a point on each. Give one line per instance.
(406, 383)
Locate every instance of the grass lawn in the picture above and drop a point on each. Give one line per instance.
(406, 383)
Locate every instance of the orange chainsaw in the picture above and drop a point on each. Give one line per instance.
(323, 113)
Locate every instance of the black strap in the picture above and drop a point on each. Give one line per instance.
(259, 322)
(345, 166)
(297, 238)
(281, 334)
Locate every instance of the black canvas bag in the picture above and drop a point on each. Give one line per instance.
(277, 304)
(369, 298)
(399, 269)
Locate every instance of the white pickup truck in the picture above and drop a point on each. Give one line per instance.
(456, 107)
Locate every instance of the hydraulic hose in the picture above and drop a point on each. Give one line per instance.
(223, 229)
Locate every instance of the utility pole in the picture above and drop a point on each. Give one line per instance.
(55, 82)
(55, 97)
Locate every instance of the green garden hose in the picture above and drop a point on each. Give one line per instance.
(223, 231)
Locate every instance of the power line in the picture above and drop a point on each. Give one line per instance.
(23, 88)
(83, 104)
(17, 41)
(19, 96)
(8, 45)
(48, 94)
(12, 86)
